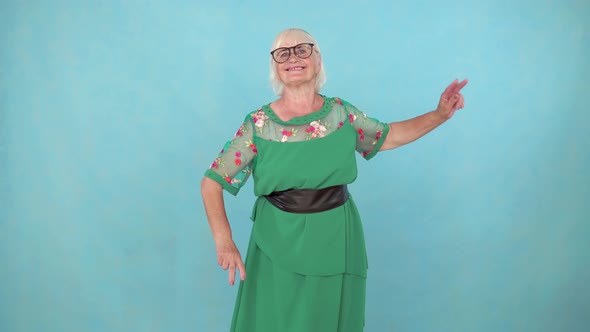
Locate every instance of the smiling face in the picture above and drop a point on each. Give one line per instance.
(296, 71)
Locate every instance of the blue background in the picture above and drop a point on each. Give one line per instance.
(110, 112)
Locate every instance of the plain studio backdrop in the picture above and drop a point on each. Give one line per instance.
(111, 111)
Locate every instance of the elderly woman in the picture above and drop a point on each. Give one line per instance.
(306, 263)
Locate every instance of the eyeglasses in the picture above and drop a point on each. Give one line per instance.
(302, 51)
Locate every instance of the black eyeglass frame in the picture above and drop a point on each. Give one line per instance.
(292, 52)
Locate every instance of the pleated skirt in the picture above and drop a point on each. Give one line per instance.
(273, 299)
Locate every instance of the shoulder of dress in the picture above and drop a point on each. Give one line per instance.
(339, 104)
(341, 101)
(259, 110)
(257, 114)
(337, 100)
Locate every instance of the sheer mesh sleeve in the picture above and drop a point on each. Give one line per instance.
(231, 169)
(371, 132)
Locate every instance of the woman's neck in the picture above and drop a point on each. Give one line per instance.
(297, 102)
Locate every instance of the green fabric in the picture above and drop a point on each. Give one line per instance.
(276, 300)
(305, 272)
(238, 158)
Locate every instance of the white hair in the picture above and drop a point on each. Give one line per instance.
(275, 81)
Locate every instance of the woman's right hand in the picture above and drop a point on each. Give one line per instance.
(228, 257)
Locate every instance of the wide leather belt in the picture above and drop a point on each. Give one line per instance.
(309, 200)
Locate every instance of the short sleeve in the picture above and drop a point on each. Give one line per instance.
(370, 132)
(232, 167)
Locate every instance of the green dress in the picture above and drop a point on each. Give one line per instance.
(305, 272)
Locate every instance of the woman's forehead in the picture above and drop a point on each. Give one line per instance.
(292, 38)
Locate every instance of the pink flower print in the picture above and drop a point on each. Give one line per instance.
(366, 153)
(252, 146)
(240, 131)
(238, 161)
(227, 178)
(259, 118)
(361, 134)
(315, 129)
(288, 133)
(340, 124)
(338, 101)
(377, 137)
(216, 163)
(351, 117)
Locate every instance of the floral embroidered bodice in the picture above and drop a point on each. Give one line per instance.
(237, 159)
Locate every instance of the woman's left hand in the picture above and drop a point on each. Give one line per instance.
(451, 100)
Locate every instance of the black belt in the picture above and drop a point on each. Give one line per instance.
(309, 200)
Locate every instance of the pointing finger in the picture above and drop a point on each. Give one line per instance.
(460, 86)
(242, 270)
(232, 275)
(449, 89)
